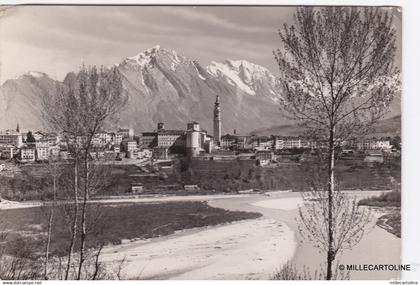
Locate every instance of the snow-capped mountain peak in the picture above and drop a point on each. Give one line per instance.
(143, 58)
(163, 86)
(231, 75)
(250, 71)
(146, 58)
(36, 74)
(249, 77)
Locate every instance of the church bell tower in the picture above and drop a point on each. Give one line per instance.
(217, 124)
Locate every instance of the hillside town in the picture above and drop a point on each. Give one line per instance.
(193, 142)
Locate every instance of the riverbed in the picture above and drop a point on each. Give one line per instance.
(249, 249)
(252, 249)
(377, 246)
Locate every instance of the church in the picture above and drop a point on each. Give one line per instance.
(198, 141)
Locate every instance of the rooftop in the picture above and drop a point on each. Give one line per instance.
(28, 146)
(170, 132)
(9, 132)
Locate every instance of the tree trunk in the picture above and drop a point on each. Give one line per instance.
(74, 225)
(83, 218)
(330, 254)
(97, 263)
(50, 223)
(47, 247)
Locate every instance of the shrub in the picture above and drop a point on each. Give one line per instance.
(387, 199)
(289, 271)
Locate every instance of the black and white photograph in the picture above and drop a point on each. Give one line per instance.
(209, 142)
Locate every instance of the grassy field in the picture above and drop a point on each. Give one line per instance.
(34, 182)
(110, 224)
(231, 176)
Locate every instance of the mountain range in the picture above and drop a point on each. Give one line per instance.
(163, 86)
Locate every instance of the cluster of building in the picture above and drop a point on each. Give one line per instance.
(255, 143)
(43, 146)
(164, 143)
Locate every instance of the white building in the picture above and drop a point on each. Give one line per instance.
(54, 151)
(126, 133)
(10, 137)
(191, 187)
(264, 143)
(145, 153)
(117, 139)
(42, 152)
(131, 146)
(287, 142)
(116, 148)
(137, 188)
(383, 144)
(372, 144)
(264, 156)
(169, 138)
(27, 153)
(101, 139)
(193, 139)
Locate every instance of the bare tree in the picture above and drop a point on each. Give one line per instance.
(97, 271)
(53, 168)
(17, 262)
(349, 221)
(81, 108)
(339, 78)
(290, 271)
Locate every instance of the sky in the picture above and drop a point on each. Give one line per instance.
(58, 39)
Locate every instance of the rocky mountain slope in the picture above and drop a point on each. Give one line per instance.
(20, 100)
(164, 86)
